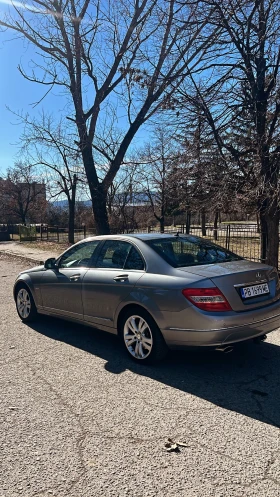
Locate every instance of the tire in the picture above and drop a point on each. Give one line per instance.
(25, 304)
(141, 337)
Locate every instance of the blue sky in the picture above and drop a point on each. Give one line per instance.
(18, 94)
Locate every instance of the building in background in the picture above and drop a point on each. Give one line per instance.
(22, 202)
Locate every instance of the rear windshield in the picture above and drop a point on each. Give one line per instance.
(182, 251)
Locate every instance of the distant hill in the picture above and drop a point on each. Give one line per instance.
(136, 199)
(63, 204)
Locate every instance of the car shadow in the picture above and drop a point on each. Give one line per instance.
(245, 381)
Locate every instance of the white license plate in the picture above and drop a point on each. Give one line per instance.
(254, 291)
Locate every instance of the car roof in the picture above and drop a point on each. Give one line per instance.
(140, 236)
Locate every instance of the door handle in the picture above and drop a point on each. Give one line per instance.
(121, 277)
(75, 277)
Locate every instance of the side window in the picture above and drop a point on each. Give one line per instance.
(134, 260)
(79, 256)
(113, 254)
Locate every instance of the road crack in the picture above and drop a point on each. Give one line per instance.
(79, 439)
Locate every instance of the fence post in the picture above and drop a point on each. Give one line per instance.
(57, 232)
(263, 246)
(215, 225)
(188, 223)
(47, 232)
(85, 231)
(149, 229)
(41, 232)
(228, 237)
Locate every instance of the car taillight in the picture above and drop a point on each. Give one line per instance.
(207, 299)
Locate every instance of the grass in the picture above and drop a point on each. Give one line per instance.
(249, 247)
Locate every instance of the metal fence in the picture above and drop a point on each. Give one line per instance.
(43, 232)
(59, 235)
(243, 239)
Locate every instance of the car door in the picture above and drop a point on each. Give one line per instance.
(61, 287)
(118, 268)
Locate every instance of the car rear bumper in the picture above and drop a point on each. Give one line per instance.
(183, 337)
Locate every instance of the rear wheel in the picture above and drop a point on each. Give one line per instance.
(141, 337)
(25, 304)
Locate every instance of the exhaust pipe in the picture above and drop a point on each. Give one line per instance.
(227, 349)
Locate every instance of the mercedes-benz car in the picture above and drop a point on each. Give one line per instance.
(156, 291)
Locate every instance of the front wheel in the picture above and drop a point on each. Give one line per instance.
(25, 304)
(142, 338)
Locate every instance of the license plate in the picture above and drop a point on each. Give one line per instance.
(254, 291)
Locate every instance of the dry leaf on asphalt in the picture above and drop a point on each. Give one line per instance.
(182, 444)
(172, 446)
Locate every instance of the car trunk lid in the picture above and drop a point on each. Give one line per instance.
(232, 277)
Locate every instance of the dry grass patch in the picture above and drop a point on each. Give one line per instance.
(47, 246)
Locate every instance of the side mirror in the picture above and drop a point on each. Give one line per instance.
(50, 263)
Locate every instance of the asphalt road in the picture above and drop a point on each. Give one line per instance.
(79, 419)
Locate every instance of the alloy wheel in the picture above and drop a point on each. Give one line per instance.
(23, 303)
(138, 337)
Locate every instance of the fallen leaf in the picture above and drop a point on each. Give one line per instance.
(172, 446)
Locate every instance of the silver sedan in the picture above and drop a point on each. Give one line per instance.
(155, 291)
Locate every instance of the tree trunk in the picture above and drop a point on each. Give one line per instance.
(71, 221)
(97, 192)
(203, 222)
(269, 223)
(22, 213)
(124, 219)
(71, 210)
(258, 223)
(188, 222)
(98, 199)
(263, 238)
(273, 240)
(161, 223)
(215, 231)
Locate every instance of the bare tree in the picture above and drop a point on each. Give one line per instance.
(94, 51)
(50, 144)
(123, 194)
(241, 102)
(208, 183)
(158, 159)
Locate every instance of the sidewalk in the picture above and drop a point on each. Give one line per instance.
(20, 250)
